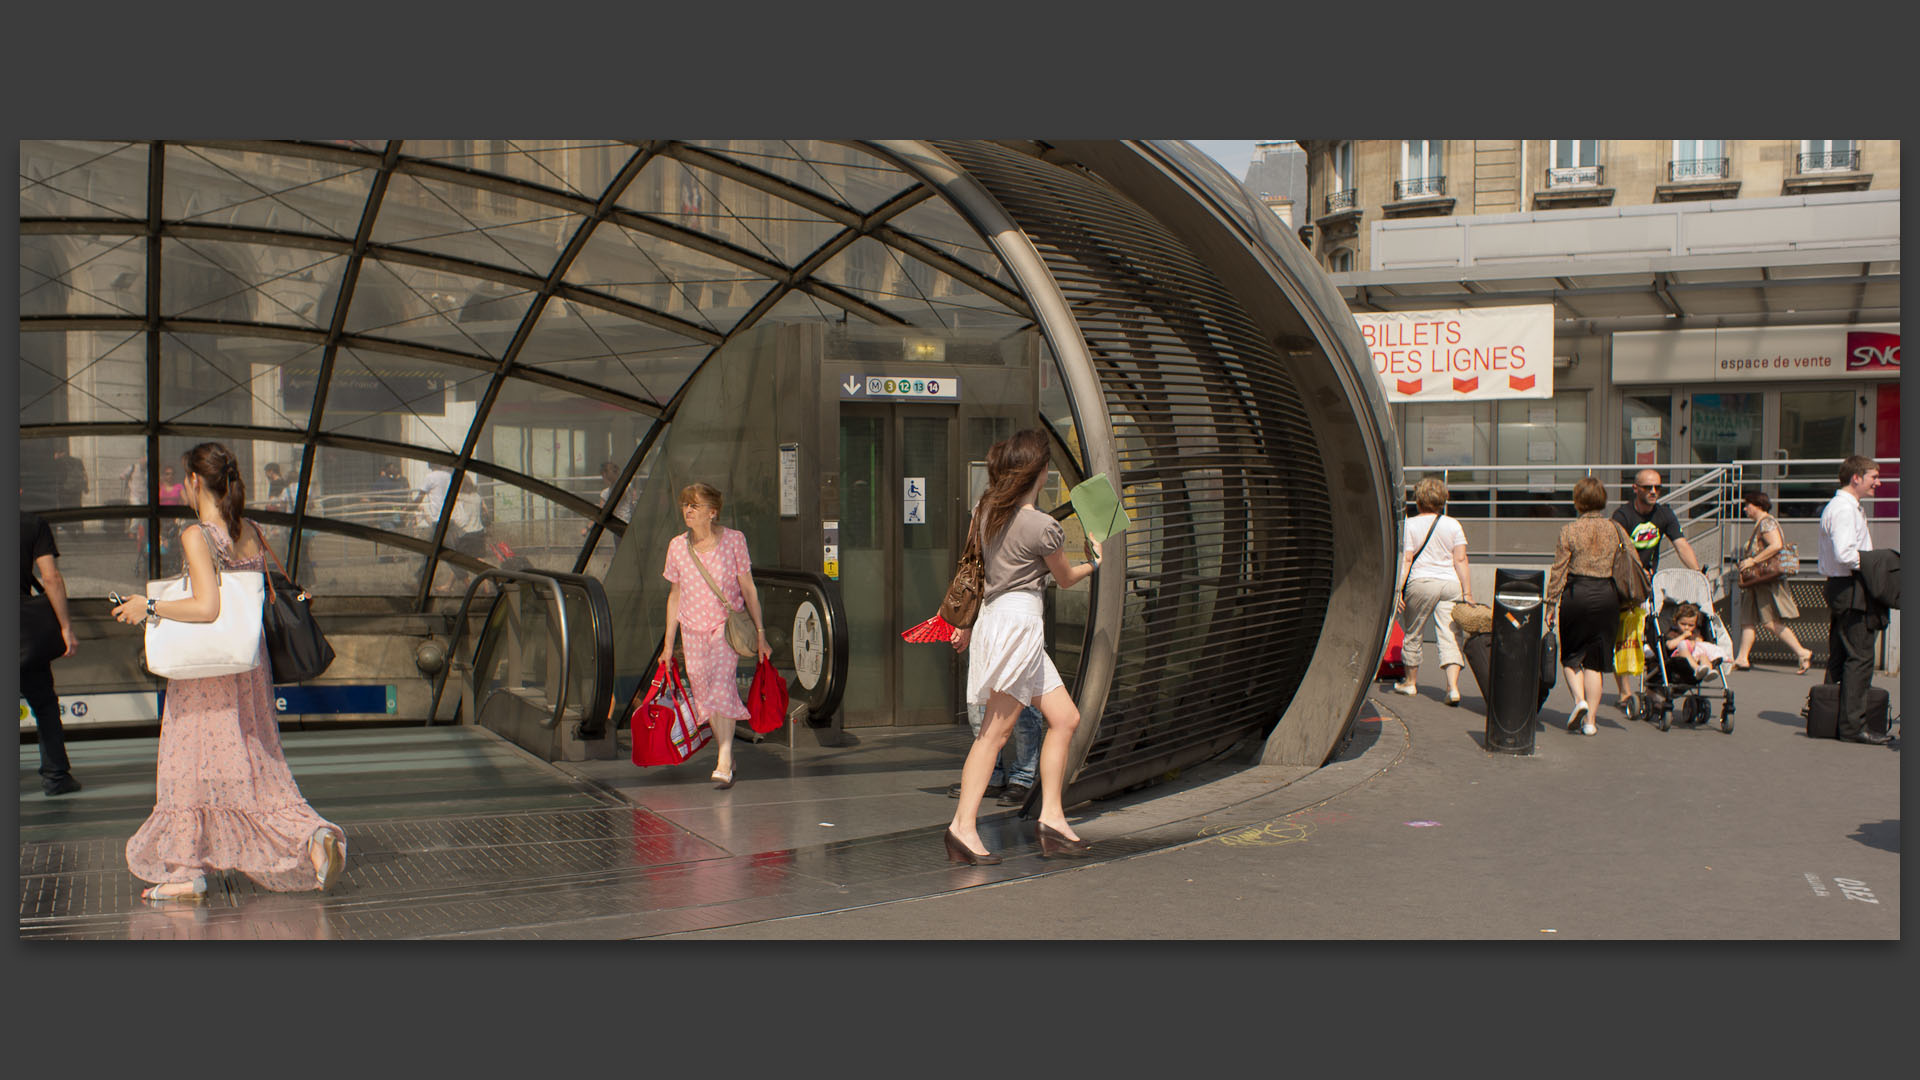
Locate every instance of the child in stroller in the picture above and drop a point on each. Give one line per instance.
(1687, 654)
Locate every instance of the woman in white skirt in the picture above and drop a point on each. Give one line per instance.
(1010, 668)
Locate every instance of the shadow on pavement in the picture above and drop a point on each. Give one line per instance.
(1883, 835)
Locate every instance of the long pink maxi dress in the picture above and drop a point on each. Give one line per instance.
(226, 799)
(712, 665)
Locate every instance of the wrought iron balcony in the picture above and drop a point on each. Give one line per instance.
(1342, 200)
(1574, 176)
(1697, 169)
(1419, 187)
(1831, 161)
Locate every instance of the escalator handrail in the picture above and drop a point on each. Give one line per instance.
(601, 617)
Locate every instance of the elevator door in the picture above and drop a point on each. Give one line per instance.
(897, 531)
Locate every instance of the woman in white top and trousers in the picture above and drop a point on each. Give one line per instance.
(1433, 578)
(1020, 547)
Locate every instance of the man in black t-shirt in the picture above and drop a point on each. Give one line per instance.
(1646, 520)
(37, 554)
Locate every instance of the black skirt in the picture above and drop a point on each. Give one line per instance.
(1589, 617)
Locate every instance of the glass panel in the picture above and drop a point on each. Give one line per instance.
(83, 275)
(204, 279)
(939, 226)
(215, 186)
(335, 565)
(96, 557)
(1053, 402)
(583, 167)
(1813, 424)
(83, 375)
(435, 308)
(1643, 429)
(1541, 435)
(381, 396)
(373, 490)
(558, 437)
(68, 178)
(468, 223)
(1724, 427)
(744, 216)
(610, 350)
(533, 527)
(863, 558)
(666, 277)
(841, 173)
(891, 281)
(926, 565)
(1456, 438)
(209, 379)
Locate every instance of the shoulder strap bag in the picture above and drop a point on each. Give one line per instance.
(961, 606)
(1780, 564)
(1630, 578)
(295, 645)
(1416, 556)
(228, 645)
(742, 637)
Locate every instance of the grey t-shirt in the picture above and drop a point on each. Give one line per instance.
(1016, 559)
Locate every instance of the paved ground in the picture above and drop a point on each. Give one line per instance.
(1412, 832)
(1630, 834)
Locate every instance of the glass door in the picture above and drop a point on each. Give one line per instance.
(1724, 427)
(1813, 424)
(900, 513)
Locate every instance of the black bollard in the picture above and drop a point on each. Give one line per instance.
(1514, 700)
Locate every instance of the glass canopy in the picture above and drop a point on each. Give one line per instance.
(354, 314)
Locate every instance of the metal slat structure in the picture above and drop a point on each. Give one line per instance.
(1229, 560)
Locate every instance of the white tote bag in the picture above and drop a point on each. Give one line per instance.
(228, 644)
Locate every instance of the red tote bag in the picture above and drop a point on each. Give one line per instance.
(664, 729)
(766, 699)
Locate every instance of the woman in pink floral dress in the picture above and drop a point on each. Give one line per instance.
(225, 797)
(695, 612)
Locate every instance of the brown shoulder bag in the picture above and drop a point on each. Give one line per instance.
(962, 603)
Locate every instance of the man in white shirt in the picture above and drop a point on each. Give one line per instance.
(1843, 536)
(433, 497)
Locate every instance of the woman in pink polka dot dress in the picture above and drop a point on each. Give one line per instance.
(694, 612)
(225, 798)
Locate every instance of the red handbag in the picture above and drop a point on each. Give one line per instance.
(1393, 664)
(666, 733)
(766, 699)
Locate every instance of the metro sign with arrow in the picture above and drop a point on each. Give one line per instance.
(899, 388)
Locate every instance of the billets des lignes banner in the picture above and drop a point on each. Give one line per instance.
(1461, 354)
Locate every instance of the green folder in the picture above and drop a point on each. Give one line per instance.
(1098, 505)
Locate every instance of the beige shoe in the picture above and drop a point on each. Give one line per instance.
(335, 860)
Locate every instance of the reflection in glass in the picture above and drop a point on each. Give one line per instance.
(83, 275)
(83, 376)
(429, 214)
(399, 398)
(207, 185)
(73, 179)
(435, 308)
(208, 379)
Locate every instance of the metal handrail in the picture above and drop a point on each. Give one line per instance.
(597, 607)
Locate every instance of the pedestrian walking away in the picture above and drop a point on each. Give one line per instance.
(1433, 578)
(1020, 547)
(1854, 615)
(224, 796)
(1581, 599)
(702, 595)
(1766, 603)
(40, 623)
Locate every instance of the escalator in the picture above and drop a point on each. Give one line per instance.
(541, 671)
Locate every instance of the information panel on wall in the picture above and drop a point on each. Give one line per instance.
(1461, 354)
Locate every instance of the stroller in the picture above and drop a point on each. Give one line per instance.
(1670, 685)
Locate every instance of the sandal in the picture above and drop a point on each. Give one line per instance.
(722, 780)
(333, 859)
(1805, 663)
(196, 892)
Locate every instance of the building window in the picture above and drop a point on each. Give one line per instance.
(1829, 155)
(1575, 163)
(1340, 261)
(1697, 159)
(1422, 169)
(1340, 188)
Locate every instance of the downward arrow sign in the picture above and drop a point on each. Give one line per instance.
(853, 384)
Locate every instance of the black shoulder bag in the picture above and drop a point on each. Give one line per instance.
(296, 648)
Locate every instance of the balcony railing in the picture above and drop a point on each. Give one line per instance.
(1831, 161)
(1697, 169)
(1574, 176)
(1342, 200)
(1419, 187)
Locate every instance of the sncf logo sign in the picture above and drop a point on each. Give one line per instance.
(1873, 350)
